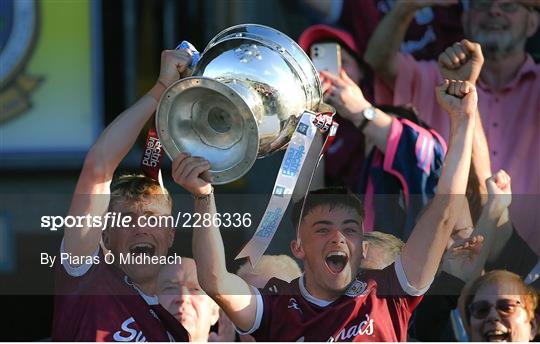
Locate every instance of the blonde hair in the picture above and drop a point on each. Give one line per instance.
(137, 190)
(282, 267)
(391, 245)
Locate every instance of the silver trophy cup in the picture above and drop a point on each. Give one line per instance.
(243, 101)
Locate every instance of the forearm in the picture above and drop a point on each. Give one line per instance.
(208, 249)
(501, 235)
(424, 249)
(118, 138)
(91, 196)
(384, 44)
(378, 130)
(480, 158)
(455, 171)
(230, 292)
(486, 227)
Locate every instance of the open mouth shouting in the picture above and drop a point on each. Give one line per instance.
(496, 336)
(336, 261)
(142, 248)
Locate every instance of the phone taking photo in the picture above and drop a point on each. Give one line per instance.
(326, 57)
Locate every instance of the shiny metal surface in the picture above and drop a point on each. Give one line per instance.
(243, 101)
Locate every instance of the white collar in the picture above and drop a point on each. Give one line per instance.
(305, 293)
(150, 300)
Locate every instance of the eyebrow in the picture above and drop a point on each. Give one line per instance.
(326, 222)
(346, 222)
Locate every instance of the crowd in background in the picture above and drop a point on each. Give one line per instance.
(391, 149)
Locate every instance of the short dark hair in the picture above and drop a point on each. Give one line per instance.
(331, 196)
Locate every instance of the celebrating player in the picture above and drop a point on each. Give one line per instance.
(332, 301)
(97, 300)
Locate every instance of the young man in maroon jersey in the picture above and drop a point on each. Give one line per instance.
(333, 300)
(96, 300)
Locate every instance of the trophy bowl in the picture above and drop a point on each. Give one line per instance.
(242, 102)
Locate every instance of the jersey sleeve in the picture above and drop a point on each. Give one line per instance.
(259, 313)
(76, 271)
(267, 310)
(415, 156)
(392, 283)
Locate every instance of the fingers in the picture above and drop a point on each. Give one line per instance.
(472, 48)
(173, 64)
(454, 56)
(458, 88)
(194, 167)
(178, 160)
(446, 61)
(472, 244)
(444, 86)
(186, 167)
(441, 90)
(501, 179)
(325, 85)
(343, 75)
(332, 79)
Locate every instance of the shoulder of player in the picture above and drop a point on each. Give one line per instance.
(378, 278)
(278, 286)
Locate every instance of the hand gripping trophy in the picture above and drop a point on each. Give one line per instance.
(253, 92)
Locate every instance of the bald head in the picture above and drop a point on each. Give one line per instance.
(179, 293)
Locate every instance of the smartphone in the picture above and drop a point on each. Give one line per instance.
(327, 57)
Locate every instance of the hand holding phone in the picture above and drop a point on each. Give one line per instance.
(326, 57)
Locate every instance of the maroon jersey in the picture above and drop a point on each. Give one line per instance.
(376, 308)
(97, 302)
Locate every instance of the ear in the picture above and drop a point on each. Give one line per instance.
(532, 24)
(365, 248)
(297, 250)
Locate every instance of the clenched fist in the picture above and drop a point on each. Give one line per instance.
(462, 61)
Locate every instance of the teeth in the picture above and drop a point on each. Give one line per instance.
(336, 253)
(142, 245)
(495, 333)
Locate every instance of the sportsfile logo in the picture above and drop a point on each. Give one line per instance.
(152, 152)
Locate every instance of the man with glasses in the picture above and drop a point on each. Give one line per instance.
(508, 87)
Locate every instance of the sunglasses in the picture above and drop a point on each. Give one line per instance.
(484, 5)
(505, 308)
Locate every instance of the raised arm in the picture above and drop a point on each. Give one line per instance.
(385, 42)
(496, 227)
(235, 297)
(423, 251)
(463, 61)
(345, 95)
(92, 193)
(466, 262)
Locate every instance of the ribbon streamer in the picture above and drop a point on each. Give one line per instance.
(288, 174)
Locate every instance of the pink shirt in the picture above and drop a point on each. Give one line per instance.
(511, 119)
